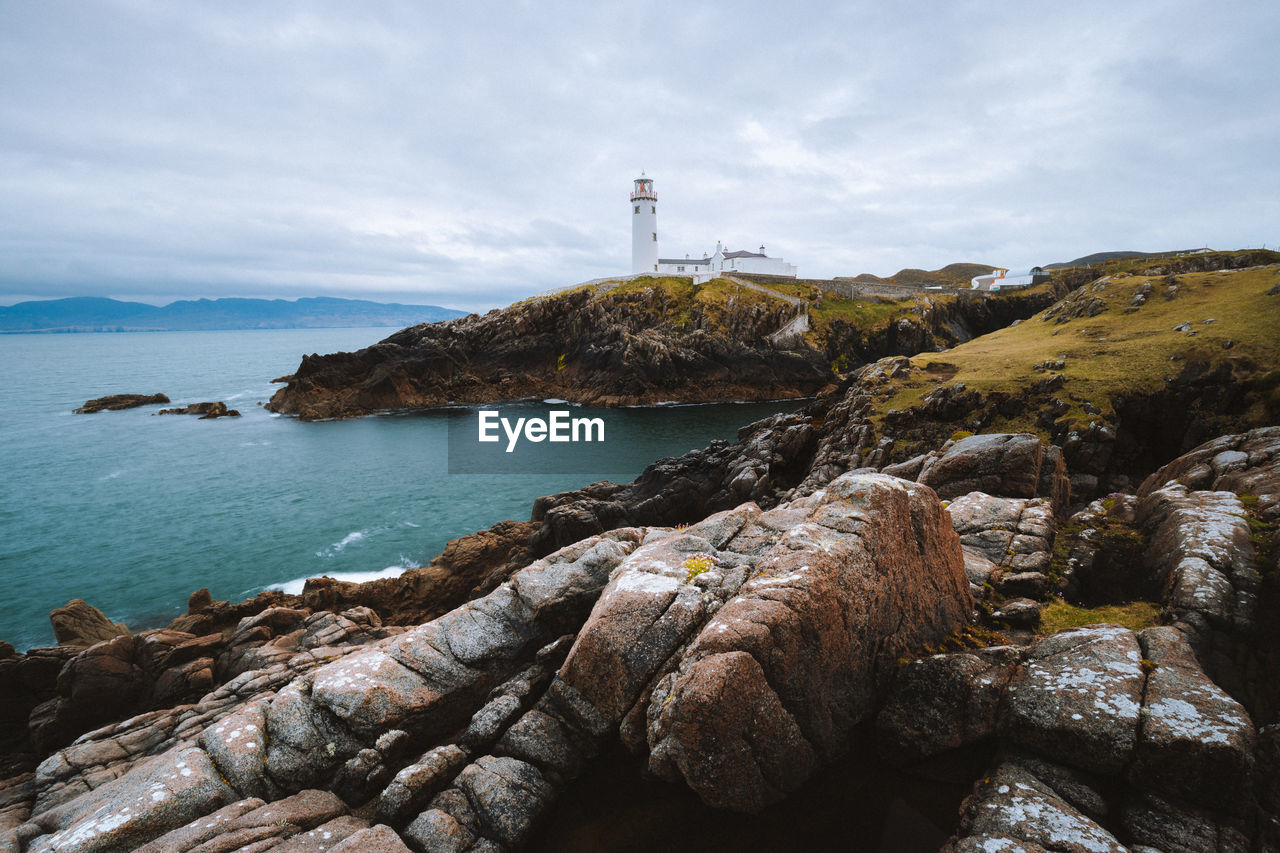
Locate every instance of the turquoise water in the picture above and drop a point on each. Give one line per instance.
(132, 512)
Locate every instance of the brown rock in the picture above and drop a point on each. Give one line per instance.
(79, 624)
(376, 839)
(639, 621)
(166, 794)
(730, 738)
(861, 573)
(206, 411)
(199, 600)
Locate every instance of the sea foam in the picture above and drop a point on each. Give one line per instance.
(294, 587)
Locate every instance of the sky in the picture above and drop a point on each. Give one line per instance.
(472, 154)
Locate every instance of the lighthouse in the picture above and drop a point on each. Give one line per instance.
(644, 226)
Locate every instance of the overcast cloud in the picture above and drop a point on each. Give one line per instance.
(471, 154)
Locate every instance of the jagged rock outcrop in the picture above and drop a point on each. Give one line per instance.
(741, 683)
(79, 624)
(1002, 465)
(116, 402)
(1212, 518)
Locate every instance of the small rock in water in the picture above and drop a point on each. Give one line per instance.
(116, 402)
(204, 410)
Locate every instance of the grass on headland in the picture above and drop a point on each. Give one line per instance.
(1123, 349)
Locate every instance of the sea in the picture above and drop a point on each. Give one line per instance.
(132, 512)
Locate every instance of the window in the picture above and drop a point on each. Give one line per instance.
(655, 236)
(653, 208)
(679, 269)
(655, 267)
(637, 208)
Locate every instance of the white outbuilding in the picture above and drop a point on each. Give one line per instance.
(1000, 279)
(644, 247)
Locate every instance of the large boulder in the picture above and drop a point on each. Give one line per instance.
(101, 683)
(1012, 810)
(79, 624)
(125, 814)
(1244, 463)
(1196, 742)
(1212, 518)
(1008, 542)
(944, 702)
(1008, 465)
(1077, 698)
(740, 652)
(1200, 549)
(848, 580)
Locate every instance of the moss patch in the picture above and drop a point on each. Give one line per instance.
(1136, 615)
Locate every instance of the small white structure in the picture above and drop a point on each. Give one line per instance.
(644, 226)
(999, 279)
(710, 266)
(644, 247)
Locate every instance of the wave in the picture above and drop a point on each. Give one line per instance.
(294, 587)
(111, 476)
(350, 539)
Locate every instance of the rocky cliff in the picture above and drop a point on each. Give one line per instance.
(641, 342)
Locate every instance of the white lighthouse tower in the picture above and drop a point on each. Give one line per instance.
(644, 226)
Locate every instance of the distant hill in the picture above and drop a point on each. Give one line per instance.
(1097, 258)
(951, 274)
(97, 314)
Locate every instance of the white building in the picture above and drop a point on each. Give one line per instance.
(999, 279)
(644, 247)
(644, 226)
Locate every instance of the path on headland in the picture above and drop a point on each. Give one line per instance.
(759, 288)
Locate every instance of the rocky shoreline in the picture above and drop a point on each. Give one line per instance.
(1080, 630)
(739, 654)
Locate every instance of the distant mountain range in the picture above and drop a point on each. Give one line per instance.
(97, 314)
